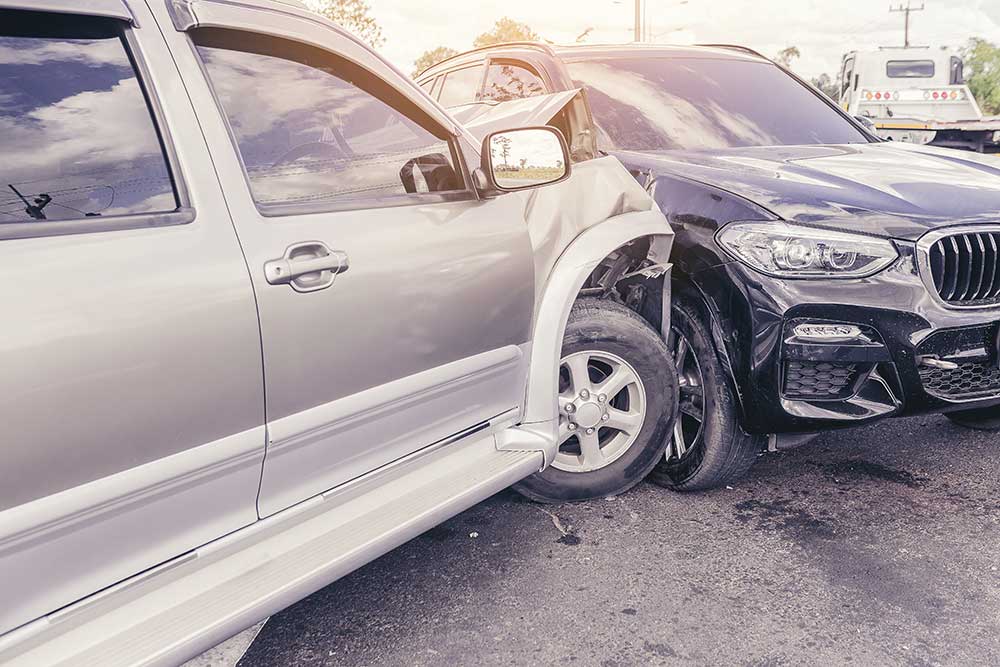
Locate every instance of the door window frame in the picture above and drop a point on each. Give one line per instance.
(848, 83)
(283, 210)
(477, 93)
(184, 213)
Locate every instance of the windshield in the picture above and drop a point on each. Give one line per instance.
(705, 103)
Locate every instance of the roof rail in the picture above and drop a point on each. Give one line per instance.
(736, 47)
(536, 45)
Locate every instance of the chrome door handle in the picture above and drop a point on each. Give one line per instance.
(308, 266)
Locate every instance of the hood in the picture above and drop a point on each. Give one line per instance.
(482, 118)
(892, 190)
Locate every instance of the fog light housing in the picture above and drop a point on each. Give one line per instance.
(817, 332)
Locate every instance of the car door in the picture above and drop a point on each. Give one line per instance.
(395, 305)
(131, 391)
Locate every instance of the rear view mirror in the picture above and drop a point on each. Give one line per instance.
(525, 158)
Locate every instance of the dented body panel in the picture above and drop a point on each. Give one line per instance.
(904, 193)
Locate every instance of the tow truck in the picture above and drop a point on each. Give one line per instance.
(917, 94)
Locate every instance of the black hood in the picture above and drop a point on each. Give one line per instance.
(892, 190)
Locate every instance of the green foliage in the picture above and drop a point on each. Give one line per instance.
(506, 30)
(786, 56)
(828, 85)
(982, 73)
(352, 15)
(432, 57)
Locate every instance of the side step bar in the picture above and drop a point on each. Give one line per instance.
(186, 606)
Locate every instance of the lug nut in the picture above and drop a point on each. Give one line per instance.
(605, 417)
(572, 426)
(570, 408)
(590, 431)
(584, 394)
(602, 398)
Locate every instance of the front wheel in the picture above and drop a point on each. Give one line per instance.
(708, 447)
(617, 403)
(980, 419)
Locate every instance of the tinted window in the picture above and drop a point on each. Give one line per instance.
(460, 86)
(76, 135)
(910, 69)
(506, 81)
(696, 104)
(313, 128)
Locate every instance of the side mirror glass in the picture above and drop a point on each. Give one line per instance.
(525, 158)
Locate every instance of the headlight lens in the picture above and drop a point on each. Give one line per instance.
(790, 251)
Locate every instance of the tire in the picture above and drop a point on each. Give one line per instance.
(708, 447)
(979, 419)
(604, 341)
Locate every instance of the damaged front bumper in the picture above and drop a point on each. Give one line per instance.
(814, 355)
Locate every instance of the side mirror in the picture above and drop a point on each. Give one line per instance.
(523, 158)
(867, 123)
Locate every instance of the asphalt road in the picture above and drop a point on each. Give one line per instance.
(878, 546)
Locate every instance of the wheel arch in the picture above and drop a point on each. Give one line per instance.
(561, 291)
(687, 289)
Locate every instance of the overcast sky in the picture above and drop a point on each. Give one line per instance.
(823, 30)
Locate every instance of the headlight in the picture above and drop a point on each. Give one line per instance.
(783, 250)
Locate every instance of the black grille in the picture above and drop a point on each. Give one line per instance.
(819, 379)
(970, 380)
(966, 268)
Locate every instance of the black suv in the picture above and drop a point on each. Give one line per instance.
(823, 278)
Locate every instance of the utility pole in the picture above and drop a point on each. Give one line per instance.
(906, 14)
(638, 20)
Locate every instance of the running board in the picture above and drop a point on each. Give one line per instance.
(186, 606)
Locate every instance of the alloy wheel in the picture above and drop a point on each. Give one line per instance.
(691, 419)
(602, 407)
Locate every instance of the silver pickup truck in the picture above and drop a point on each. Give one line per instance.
(269, 312)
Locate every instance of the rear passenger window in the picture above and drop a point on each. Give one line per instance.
(507, 81)
(313, 128)
(77, 137)
(461, 86)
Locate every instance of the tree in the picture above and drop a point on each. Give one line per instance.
(352, 15)
(828, 85)
(432, 57)
(982, 73)
(506, 30)
(786, 56)
(505, 143)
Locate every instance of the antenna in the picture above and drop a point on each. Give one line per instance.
(907, 10)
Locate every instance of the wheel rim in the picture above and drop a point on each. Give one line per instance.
(602, 407)
(690, 422)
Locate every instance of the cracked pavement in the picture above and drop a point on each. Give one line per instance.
(878, 545)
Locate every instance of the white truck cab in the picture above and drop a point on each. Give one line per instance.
(916, 94)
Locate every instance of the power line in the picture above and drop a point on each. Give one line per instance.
(907, 10)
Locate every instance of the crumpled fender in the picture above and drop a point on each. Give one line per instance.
(574, 225)
(597, 191)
